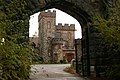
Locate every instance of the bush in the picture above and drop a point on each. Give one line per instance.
(63, 61)
(14, 51)
(14, 62)
(37, 59)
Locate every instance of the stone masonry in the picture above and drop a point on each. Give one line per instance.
(56, 41)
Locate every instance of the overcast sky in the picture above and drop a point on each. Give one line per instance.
(61, 17)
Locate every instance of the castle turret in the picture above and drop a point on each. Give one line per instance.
(46, 30)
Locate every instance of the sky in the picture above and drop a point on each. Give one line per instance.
(61, 17)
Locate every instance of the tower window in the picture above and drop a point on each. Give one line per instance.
(48, 24)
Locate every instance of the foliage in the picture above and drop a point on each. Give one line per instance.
(14, 51)
(110, 40)
(37, 59)
(35, 55)
(15, 63)
(64, 61)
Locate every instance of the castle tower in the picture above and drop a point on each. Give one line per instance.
(68, 35)
(47, 23)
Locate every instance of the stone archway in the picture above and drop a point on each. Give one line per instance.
(79, 9)
(83, 11)
(81, 15)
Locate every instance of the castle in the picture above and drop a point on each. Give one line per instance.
(56, 42)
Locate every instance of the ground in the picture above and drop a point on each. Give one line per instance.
(51, 72)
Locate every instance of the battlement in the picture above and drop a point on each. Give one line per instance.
(70, 27)
(47, 13)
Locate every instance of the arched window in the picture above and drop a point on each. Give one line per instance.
(48, 24)
(69, 35)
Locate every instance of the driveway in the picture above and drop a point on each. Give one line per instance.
(51, 72)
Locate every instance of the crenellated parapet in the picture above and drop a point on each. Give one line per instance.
(67, 27)
(47, 13)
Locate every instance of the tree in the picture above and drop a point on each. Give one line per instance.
(15, 58)
(109, 29)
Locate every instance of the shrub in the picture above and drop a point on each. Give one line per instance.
(14, 62)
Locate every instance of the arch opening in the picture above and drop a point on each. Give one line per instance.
(81, 16)
(66, 27)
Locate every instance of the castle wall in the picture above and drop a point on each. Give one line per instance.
(57, 53)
